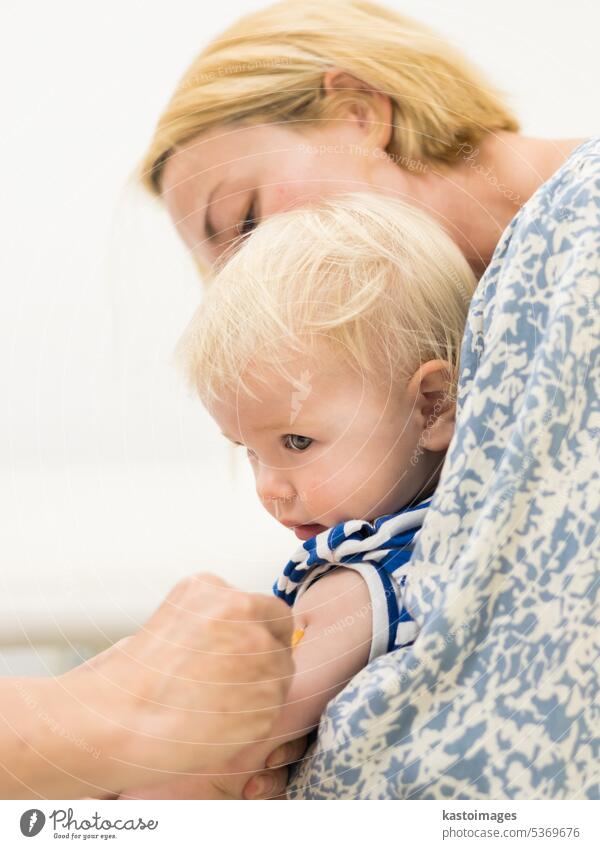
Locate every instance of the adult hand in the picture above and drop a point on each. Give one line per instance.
(270, 783)
(205, 676)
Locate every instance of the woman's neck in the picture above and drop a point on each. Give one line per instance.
(476, 199)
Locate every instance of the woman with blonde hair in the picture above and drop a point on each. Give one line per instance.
(305, 99)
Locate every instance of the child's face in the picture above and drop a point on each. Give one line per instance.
(326, 446)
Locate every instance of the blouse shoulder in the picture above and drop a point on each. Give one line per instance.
(545, 236)
(574, 184)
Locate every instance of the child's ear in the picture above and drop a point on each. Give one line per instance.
(431, 388)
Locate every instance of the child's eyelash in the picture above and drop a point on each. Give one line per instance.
(285, 442)
(297, 436)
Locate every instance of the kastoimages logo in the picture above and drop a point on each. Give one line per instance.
(32, 822)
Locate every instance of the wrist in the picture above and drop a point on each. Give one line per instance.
(125, 740)
(94, 729)
(49, 747)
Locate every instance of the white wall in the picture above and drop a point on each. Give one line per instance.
(107, 468)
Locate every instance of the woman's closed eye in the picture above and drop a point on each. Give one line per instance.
(295, 442)
(250, 221)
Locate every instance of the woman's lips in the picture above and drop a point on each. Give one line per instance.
(308, 531)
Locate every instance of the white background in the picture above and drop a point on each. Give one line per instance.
(113, 482)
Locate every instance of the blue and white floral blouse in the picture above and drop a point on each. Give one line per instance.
(498, 696)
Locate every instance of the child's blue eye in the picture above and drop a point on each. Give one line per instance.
(296, 442)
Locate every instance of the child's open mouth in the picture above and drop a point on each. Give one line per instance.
(308, 531)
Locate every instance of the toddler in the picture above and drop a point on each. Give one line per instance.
(327, 346)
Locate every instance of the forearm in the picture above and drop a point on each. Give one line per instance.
(54, 745)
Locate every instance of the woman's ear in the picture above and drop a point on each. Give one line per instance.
(371, 109)
(431, 388)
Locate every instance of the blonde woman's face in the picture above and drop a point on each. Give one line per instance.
(223, 183)
(326, 446)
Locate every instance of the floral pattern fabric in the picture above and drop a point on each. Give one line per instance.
(498, 696)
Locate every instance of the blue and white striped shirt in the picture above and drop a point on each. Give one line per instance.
(380, 551)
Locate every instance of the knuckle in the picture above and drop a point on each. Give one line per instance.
(240, 606)
(176, 590)
(181, 589)
(198, 583)
(205, 581)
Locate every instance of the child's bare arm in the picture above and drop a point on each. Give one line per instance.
(336, 617)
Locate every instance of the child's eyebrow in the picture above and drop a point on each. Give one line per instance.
(269, 426)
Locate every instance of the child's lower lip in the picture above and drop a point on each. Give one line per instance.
(308, 531)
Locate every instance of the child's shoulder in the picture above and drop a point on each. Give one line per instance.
(386, 543)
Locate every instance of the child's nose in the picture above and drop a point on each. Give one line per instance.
(273, 486)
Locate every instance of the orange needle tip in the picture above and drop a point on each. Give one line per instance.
(297, 636)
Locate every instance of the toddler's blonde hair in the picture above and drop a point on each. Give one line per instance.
(361, 276)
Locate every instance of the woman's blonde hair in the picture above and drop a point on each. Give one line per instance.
(269, 68)
(360, 276)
